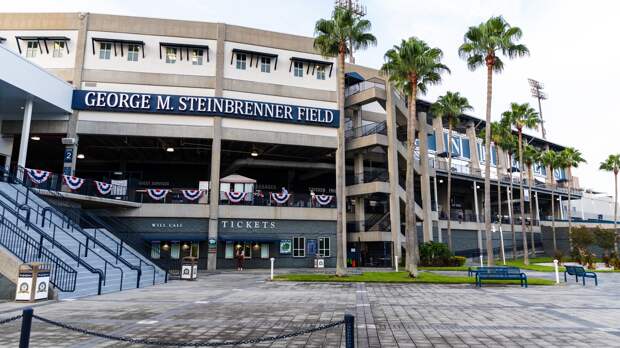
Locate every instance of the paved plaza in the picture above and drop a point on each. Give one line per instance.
(233, 306)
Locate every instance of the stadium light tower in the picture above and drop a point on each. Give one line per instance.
(537, 92)
(358, 9)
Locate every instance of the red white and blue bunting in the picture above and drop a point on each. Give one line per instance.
(38, 176)
(323, 199)
(103, 187)
(73, 182)
(236, 197)
(281, 197)
(192, 195)
(157, 194)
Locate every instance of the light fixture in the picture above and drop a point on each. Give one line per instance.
(441, 181)
(81, 156)
(170, 149)
(477, 186)
(254, 153)
(35, 138)
(21, 107)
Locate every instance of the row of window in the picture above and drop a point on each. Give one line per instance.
(265, 66)
(300, 248)
(32, 49)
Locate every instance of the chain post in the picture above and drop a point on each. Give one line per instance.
(24, 338)
(349, 330)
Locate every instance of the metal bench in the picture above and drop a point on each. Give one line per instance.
(579, 271)
(472, 271)
(500, 273)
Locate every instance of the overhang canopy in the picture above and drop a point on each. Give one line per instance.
(44, 39)
(237, 179)
(352, 78)
(256, 54)
(120, 42)
(182, 46)
(312, 62)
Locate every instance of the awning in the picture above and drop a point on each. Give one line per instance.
(311, 62)
(173, 236)
(120, 42)
(252, 54)
(2, 39)
(45, 39)
(237, 179)
(246, 238)
(352, 78)
(445, 154)
(181, 46)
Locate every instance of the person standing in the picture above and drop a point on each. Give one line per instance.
(240, 258)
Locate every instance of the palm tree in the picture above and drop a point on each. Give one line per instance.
(336, 37)
(482, 43)
(450, 107)
(612, 164)
(531, 156)
(412, 66)
(522, 116)
(551, 159)
(570, 158)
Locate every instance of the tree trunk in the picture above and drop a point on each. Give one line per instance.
(570, 213)
(555, 243)
(529, 182)
(487, 169)
(499, 201)
(449, 183)
(411, 231)
(522, 202)
(616, 212)
(341, 248)
(512, 213)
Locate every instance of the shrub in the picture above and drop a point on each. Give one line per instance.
(588, 260)
(605, 239)
(458, 261)
(559, 255)
(435, 254)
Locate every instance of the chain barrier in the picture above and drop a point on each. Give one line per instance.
(185, 344)
(8, 320)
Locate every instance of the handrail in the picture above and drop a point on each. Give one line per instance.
(62, 275)
(70, 224)
(55, 244)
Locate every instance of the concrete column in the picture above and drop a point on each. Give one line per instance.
(425, 181)
(23, 144)
(439, 236)
(475, 185)
(216, 150)
(392, 155)
(537, 208)
(358, 168)
(438, 128)
(560, 206)
(470, 131)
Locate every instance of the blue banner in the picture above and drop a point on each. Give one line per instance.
(105, 101)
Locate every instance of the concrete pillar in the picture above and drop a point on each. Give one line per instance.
(23, 144)
(358, 167)
(438, 128)
(470, 131)
(477, 210)
(425, 181)
(537, 208)
(392, 155)
(439, 234)
(560, 206)
(216, 150)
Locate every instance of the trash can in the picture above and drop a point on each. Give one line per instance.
(189, 268)
(319, 262)
(33, 282)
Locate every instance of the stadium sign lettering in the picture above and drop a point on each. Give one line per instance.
(202, 106)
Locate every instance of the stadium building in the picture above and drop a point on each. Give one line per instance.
(198, 139)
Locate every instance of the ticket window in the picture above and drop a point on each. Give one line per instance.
(190, 249)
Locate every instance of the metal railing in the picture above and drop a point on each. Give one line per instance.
(175, 196)
(362, 86)
(368, 176)
(27, 249)
(470, 217)
(373, 128)
(296, 200)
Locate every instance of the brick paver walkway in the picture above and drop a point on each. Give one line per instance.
(231, 306)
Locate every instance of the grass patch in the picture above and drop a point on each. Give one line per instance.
(446, 268)
(400, 277)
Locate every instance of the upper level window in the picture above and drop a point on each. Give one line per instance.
(105, 50)
(32, 48)
(59, 46)
(132, 53)
(265, 64)
(320, 72)
(171, 55)
(298, 69)
(197, 55)
(241, 59)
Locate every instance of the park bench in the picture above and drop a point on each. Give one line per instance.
(579, 271)
(500, 273)
(472, 271)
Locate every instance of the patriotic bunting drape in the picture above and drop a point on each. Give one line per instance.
(103, 187)
(37, 176)
(280, 198)
(73, 182)
(236, 197)
(323, 199)
(157, 194)
(192, 195)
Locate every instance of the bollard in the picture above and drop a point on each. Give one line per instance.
(481, 260)
(272, 260)
(24, 338)
(349, 330)
(557, 271)
(396, 262)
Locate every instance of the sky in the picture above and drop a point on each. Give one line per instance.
(571, 43)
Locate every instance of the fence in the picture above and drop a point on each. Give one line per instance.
(28, 314)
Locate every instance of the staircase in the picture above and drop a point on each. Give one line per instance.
(102, 262)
